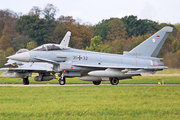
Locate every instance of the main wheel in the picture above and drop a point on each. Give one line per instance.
(114, 81)
(25, 81)
(96, 82)
(62, 81)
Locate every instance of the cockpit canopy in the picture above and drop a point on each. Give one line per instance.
(50, 47)
(22, 50)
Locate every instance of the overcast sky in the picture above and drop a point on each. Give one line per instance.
(94, 11)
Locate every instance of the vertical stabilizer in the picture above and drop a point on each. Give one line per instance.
(65, 40)
(153, 44)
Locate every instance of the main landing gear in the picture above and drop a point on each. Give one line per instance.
(114, 81)
(96, 82)
(25, 81)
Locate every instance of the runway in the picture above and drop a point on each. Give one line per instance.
(72, 84)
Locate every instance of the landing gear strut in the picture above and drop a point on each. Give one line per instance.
(25, 81)
(96, 82)
(62, 79)
(114, 81)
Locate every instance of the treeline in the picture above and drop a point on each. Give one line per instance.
(113, 35)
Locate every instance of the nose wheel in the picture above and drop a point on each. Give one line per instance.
(62, 81)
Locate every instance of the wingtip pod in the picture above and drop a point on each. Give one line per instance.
(152, 45)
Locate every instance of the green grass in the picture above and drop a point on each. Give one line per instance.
(152, 79)
(90, 102)
(169, 71)
(139, 79)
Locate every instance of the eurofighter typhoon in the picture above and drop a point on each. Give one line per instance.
(96, 66)
(25, 69)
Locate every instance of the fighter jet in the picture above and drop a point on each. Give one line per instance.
(96, 66)
(25, 69)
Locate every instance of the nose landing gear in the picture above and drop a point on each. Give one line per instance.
(62, 79)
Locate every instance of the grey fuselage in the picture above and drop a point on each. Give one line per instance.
(83, 56)
(72, 59)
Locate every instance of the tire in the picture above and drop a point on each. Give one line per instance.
(62, 81)
(114, 81)
(25, 81)
(96, 82)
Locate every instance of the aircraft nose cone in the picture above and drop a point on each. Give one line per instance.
(24, 57)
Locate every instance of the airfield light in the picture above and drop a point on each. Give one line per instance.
(159, 83)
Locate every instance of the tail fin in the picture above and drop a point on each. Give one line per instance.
(65, 40)
(153, 44)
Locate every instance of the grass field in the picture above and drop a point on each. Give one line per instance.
(90, 102)
(139, 79)
(169, 71)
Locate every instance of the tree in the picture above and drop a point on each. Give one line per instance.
(35, 11)
(95, 44)
(8, 18)
(3, 58)
(49, 12)
(81, 34)
(33, 27)
(3, 54)
(20, 42)
(116, 29)
(31, 45)
(139, 27)
(76, 42)
(2, 23)
(178, 29)
(175, 46)
(9, 51)
(7, 32)
(110, 29)
(102, 29)
(6, 38)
